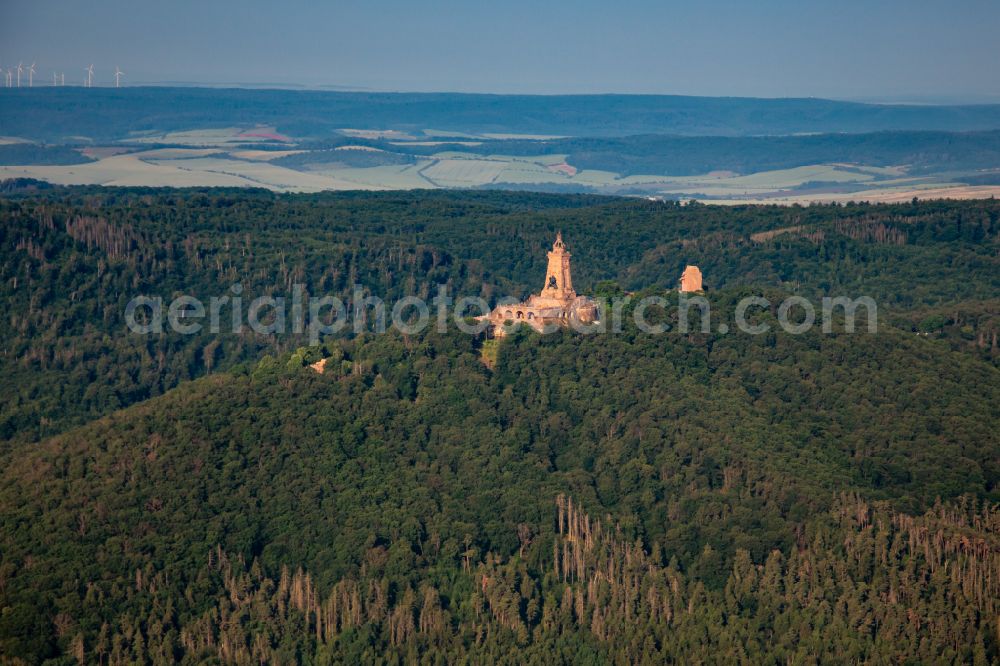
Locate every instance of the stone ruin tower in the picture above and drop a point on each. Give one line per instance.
(691, 279)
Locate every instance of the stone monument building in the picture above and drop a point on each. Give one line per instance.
(557, 305)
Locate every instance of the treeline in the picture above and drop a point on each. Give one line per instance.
(24, 153)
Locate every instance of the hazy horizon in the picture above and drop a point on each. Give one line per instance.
(895, 52)
(912, 100)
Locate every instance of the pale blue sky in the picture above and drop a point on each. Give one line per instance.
(871, 49)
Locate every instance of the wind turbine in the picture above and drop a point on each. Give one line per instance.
(90, 75)
(118, 74)
(31, 75)
(20, 69)
(55, 80)
(62, 79)
(10, 73)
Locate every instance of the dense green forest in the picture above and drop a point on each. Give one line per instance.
(610, 498)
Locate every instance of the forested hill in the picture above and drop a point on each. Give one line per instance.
(625, 498)
(74, 257)
(53, 114)
(613, 498)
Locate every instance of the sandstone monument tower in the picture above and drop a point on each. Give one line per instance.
(558, 288)
(557, 304)
(559, 280)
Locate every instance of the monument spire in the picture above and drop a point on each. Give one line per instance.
(558, 280)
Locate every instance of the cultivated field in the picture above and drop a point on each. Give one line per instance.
(230, 157)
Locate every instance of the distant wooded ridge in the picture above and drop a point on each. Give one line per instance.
(692, 155)
(55, 114)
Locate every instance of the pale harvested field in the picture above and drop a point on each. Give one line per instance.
(205, 137)
(458, 155)
(721, 192)
(597, 178)
(876, 196)
(878, 171)
(436, 143)
(453, 169)
(263, 155)
(544, 160)
(175, 153)
(265, 174)
(214, 166)
(464, 173)
(394, 177)
(139, 170)
(376, 134)
(765, 181)
(526, 174)
(526, 137)
(123, 170)
(956, 192)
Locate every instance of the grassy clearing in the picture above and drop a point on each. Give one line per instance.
(489, 352)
